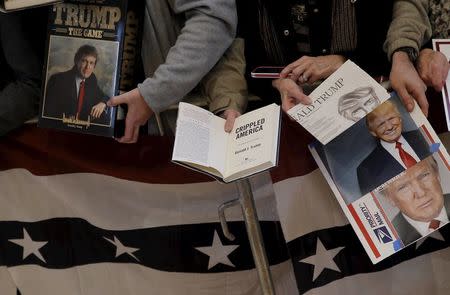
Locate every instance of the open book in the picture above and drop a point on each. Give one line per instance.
(391, 175)
(251, 147)
(340, 101)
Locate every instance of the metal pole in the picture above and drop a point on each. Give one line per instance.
(255, 236)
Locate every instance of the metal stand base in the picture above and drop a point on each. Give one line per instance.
(249, 213)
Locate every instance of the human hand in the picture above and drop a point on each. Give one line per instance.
(291, 93)
(138, 113)
(230, 116)
(98, 109)
(310, 69)
(433, 68)
(406, 82)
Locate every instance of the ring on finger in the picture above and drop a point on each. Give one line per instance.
(303, 78)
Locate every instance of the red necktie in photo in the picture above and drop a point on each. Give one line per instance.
(434, 224)
(407, 159)
(80, 97)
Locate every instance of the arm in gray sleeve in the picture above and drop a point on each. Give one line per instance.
(225, 86)
(410, 26)
(208, 31)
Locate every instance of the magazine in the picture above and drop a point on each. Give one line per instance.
(340, 101)
(443, 45)
(390, 174)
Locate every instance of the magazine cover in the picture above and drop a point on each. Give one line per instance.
(340, 101)
(443, 45)
(82, 68)
(390, 174)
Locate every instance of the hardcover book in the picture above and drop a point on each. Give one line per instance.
(390, 174)
(340, 101)
(251, 147)
(82, 71)
(443, 45)
(13, 5)
(132, 71)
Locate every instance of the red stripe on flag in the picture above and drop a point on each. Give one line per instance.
(364, 231)
(51, 152)
(295, 159)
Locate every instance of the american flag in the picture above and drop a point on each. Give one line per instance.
(85, 215)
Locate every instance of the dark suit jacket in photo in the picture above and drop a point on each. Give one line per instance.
(61, 96)
(380, 166)
(406, 231)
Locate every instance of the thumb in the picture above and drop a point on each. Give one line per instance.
(304, 99)
(230, 117)
(299, 96)
(406, 98)
(229, 123)
(116, 100)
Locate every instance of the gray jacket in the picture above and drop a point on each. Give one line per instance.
(182, 41)
(410, 26)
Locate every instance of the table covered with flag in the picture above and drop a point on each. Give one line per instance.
(85, 215)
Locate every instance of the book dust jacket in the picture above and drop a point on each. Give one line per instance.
(82, 69)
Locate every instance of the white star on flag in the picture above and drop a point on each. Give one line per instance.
(434, 235)
(29, 246)
(217, 252)
(121, 249)
(322, 259)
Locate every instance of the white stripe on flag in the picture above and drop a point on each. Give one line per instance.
(117, 279)
(423, 275)
(112, 203)
(7, 286)
(305, 204)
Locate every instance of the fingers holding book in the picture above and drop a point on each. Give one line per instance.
(138, 113)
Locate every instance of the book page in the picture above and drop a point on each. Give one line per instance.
(443, 45)
(253, 140)
(196, 140)
(339, 102)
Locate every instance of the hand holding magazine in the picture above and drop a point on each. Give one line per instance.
(342, 99)
(251, 147)
(385, 166)
(390, 174)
